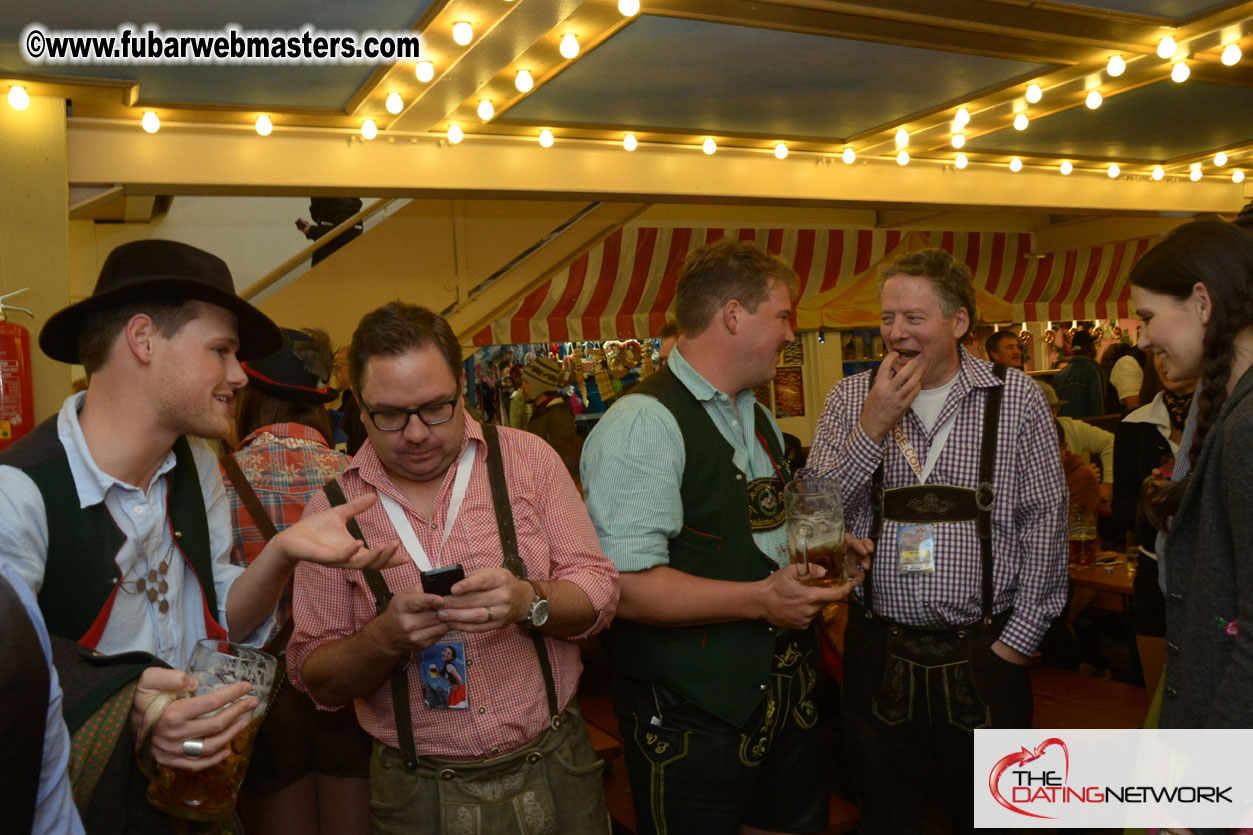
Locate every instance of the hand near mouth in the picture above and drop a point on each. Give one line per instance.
(892, 394)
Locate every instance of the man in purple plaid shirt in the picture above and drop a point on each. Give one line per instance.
(951, 466)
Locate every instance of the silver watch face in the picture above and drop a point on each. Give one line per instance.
(539, 613)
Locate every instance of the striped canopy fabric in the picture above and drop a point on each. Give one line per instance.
(623, 288)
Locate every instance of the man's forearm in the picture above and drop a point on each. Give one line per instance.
(570, 611)
(663, 596)
(254, 594)
(354, 667)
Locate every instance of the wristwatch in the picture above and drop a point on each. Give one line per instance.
(538, 616)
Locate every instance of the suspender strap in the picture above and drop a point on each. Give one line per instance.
(400, 675)
(985, 495)
(513, 561)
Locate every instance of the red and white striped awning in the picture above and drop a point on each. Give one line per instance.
(623, 288)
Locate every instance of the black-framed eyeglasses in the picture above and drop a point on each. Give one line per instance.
(393, 420)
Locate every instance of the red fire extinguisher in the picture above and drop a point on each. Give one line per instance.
(17, 401)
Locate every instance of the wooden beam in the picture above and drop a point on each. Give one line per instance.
(1087, 232)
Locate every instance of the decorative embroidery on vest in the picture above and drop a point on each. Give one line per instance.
(931, 503)
(765, 508)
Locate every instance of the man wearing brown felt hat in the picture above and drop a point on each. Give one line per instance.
(116, 516)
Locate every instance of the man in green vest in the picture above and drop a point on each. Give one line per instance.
(711, 649)
(114, 513)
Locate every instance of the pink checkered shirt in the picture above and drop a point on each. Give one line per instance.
(1028, 519)
(508, 706)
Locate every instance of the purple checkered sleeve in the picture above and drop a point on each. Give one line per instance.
(1028, 519)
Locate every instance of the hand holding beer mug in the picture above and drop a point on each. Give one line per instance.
(210, 794)
(815, 530)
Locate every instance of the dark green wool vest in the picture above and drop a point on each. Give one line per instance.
(81, 577)
(721, 667)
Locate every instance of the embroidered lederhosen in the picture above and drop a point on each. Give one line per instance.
(911, 647)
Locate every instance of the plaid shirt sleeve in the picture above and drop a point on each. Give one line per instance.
(843, 451)
(1040, 499)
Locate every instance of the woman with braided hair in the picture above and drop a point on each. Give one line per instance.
(1194, 293)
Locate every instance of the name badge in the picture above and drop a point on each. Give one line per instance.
(916, 546)
(444, 685)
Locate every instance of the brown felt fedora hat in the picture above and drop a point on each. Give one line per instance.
(157, 270)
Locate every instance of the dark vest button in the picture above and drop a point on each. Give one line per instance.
(1172, 692)
(1172, 648)
(1175, 597)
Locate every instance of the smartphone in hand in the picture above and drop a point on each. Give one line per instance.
(441, 580)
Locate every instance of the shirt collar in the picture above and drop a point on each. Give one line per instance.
(691, 379)
(285, 430)
(1153, 412)
(91, 482)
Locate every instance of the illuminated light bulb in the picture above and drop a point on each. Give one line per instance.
(1158, 173)
(395, 103)
(629, 142)
(1194, 175)
(1094, 99)
(709, 146)
(425, 71)
(1116, 66)
(151, 123)
(454, 134)
(368, 129)
(1015, 165)
(1066, 167)
(1220, 159)
(485, 109)
(264, 125)
(1034, 93)
(462, 32)
(962, 118)
(961, 161)
(1166, 48)
(18, 99)
(1179, 73)
(1232, 54)
(1237, 176)
(524, 82)
(902, 138)
(849, 156)
(959, 139)
(902, 158)
(1021, 121)
(780, 151)
(629, 8)
(546, 138)
(1113, 171)
(569, 46)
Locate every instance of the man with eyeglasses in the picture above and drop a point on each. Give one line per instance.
(511, 747)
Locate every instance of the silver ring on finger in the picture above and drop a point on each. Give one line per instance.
(489, 613)
(193, 749)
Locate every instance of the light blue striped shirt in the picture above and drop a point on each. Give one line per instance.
(632, 468)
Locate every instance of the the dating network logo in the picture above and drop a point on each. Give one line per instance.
(1027, 786)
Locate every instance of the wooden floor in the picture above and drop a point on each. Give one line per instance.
(1063, 699)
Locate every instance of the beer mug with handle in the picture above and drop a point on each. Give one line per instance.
(815, 529)
(210, 794)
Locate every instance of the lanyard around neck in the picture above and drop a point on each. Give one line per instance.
(404, 529)
(933, 453)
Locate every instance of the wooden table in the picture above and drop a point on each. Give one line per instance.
(1112, 591)
(1113, 588)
